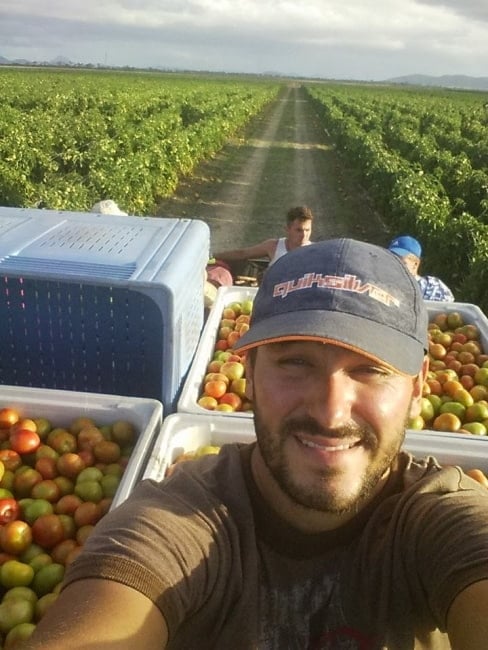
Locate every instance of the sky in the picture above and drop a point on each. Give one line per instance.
(329, 39)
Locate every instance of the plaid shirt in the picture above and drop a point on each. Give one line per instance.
(433, 288)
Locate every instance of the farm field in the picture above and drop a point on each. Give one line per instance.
(237, 152)
(423, 157)
(69, 138)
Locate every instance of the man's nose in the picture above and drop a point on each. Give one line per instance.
(333, 400)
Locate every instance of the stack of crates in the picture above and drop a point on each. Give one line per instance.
(100, 303)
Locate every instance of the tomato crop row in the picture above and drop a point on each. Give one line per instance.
(68, 139)
(422, 156)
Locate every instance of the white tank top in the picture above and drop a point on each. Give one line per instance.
(281, 249)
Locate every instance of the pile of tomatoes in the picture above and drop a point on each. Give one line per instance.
(455, 392)
(224, 384)
(56, 483)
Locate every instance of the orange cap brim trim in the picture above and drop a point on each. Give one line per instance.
(320, 339)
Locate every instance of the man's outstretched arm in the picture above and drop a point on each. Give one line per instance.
(467, 621)
(263, 249)
(93, 614)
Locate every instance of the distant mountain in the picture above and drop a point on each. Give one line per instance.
(463, 82)
(445, 81)
(58, 61)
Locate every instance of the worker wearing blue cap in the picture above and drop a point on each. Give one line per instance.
(410, 251)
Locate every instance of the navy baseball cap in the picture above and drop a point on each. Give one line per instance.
(405, 245)
(344, 292)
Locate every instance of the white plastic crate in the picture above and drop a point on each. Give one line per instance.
(192, 387)
(183, 432)
(466, 450)
(100, 303)
(470, 313)
(61, 407)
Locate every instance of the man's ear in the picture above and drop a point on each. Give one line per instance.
(418, 385)
(249, 377)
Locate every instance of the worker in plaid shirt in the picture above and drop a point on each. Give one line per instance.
(410, 251)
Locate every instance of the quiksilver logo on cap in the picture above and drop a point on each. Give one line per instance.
(338, 282)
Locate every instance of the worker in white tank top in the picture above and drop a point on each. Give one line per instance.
(298, 232)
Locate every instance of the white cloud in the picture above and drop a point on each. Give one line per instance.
(357, 39)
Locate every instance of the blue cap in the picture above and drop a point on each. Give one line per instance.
(347, 293)
(405, 245)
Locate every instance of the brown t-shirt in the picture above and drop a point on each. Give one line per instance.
(228, 573)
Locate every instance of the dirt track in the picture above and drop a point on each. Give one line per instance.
(284, 159)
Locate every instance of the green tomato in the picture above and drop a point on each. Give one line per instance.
(18, 635)
(47, 578)
(13, 612)
(89, 474)
(15, 574)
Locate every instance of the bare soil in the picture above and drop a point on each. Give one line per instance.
(285, 158)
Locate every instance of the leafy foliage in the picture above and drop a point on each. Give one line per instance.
(423, 157)
(68, 139)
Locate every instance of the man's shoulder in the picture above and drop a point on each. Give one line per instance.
(273, 242)
(424, 475)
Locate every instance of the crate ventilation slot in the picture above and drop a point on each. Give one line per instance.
(30, 265)
(79, 239)
(6, 224)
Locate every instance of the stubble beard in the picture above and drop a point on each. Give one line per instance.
(321, 496)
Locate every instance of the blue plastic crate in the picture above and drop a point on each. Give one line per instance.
(99, 303)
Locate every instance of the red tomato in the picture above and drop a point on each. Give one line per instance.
(61, 551)
(62, 441)
(10, 459)
(9, 510)
(233, 399)
(87, 513)
(46, 467)
(70, 464)
(88, 437)
(24, 480)
(48, 530)
(24, 441)
(15, 537)
(107, 451)
(67, 504)
(46, 489)
(215, 388)
(87, 456)
(8, 417)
